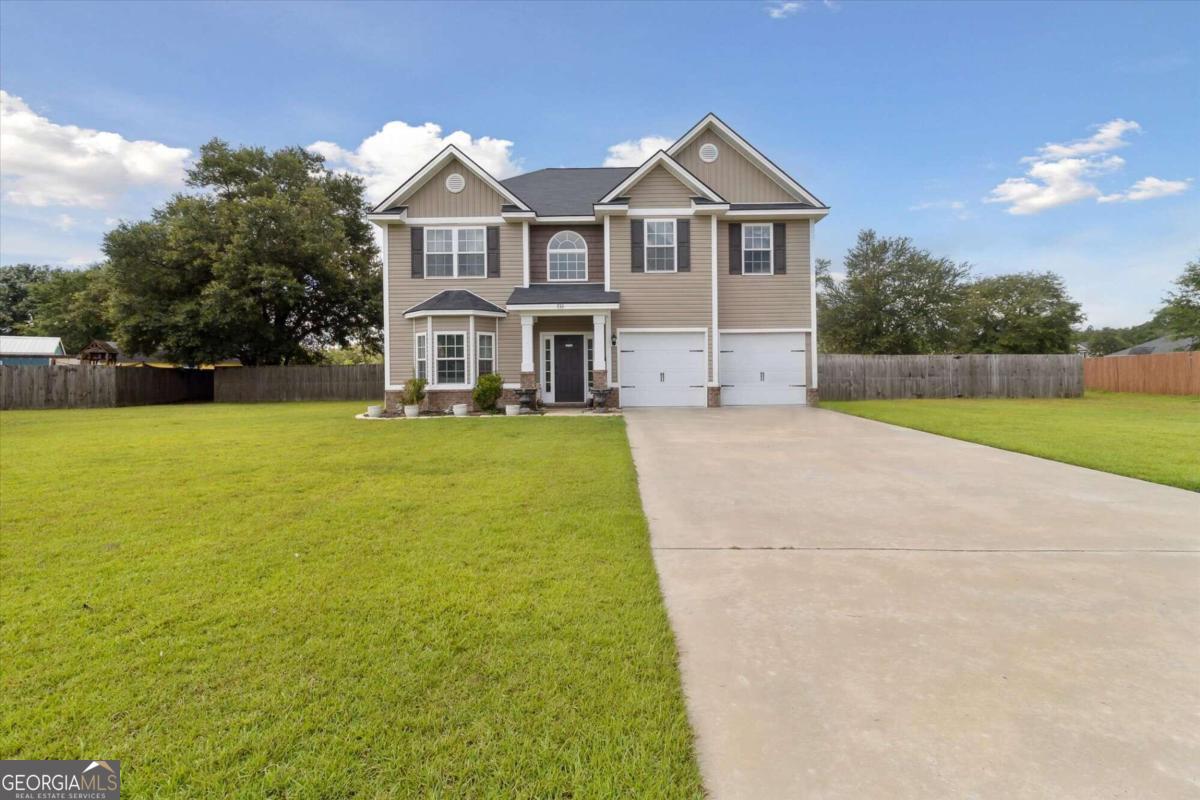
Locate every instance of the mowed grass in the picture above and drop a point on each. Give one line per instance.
(282, 601)
(1152, 437)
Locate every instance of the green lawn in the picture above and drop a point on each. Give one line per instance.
(282, 601)
(1152, 437)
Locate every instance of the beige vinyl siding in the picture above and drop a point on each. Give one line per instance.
(766, 301)
(659, 189)
(663, 300)
(732, 175)
(434, 200)
(404, 292)
(539, 238)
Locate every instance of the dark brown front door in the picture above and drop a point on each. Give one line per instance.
(568, 369)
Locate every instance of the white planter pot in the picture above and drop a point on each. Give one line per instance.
(412, 411)
(374, 412)
(512, 410)
(460, 409)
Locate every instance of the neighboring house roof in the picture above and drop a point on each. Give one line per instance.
(455, 300)
(566, 293)
(1163, 344)
(566, 191)
(31, 346)
(102, 346)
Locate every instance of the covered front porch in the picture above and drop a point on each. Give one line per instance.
(565, 345)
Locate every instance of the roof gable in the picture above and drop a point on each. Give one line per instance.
(435, 166)
(662, 159)
(747, 152)
(31, 346)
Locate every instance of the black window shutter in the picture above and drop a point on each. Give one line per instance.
(493, 251)
(735, 248)
(418, 252)
(779, 240)
(637, 255)
(683, 241)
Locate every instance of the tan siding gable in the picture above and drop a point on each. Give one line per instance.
(435, 200)
(658, 188)
(732, 175)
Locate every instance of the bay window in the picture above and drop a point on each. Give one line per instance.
(451, 358)
(485, 353)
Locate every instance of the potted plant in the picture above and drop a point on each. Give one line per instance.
(414, 393)
(487, 391)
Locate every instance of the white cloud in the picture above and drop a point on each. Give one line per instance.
(781, 10)
(1108, 136)
(1064, 173)
(64, 222)
(48, 164)
(388, 157)
(1147, 189)
(634, 152)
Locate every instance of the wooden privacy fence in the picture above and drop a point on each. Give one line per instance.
(87, 386)
(850, 377)
(276, 384)
(1162, 373)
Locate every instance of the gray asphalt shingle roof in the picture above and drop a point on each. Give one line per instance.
(1163, 344)
(539, 294)
(565, 192)
(456, 300)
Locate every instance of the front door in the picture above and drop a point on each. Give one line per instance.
(569, 380)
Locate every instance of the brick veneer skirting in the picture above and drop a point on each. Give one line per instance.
(814, 397)
(600, 378)
(714, 396)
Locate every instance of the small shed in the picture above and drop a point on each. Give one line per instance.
(100, 351)
(24, 351)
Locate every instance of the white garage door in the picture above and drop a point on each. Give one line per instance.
(759, 369)
(662, 369)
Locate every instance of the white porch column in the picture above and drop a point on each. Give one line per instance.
(527, 321)
(599, 342)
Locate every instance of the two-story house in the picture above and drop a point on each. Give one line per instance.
(686, 281)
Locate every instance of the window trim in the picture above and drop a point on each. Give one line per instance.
(770, 247)
(437, 359)
(674, 247)
(419, 339)
(454, 229)
(478, 336)
(549, 278)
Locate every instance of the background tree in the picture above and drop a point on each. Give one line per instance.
(73, 304)
(894, 299)
(16, 305)
(1182, 311)
(272, 262)
(1024, 312)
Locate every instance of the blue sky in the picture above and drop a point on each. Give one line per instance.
(904, 117)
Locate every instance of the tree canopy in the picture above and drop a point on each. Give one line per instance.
(271, 262)
(896, 298)
(1182, 310)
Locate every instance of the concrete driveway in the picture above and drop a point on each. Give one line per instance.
(865, 611)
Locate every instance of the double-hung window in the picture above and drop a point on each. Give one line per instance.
(455, 252)
(451, 358)
(756, 249)
(422, 356)
(660, 245)
(485, 353)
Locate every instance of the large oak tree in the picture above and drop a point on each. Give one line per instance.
(270, 261)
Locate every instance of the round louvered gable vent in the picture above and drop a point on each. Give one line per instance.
(455, 182)
(709, 152)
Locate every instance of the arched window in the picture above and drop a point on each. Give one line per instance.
(566, 257)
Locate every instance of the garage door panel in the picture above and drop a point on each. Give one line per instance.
(663, 369)
(763, 369)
